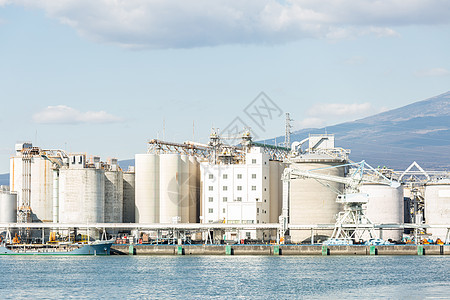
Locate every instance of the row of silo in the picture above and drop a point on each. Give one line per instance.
(78, 192)
(167, 188)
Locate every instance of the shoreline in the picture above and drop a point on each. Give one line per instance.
(288, 250)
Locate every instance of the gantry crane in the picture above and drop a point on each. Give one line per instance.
(351, 223)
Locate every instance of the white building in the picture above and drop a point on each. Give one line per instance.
(240, 194)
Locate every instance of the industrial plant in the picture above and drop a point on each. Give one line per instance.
(231, 190)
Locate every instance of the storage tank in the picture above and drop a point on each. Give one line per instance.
(194, 189)
(81, 195)
(147, 200)
(184, 188)
(311, 202)
(128, 197)
(385, 206)
(437, 207)
(113, 196)
(170, 187)
(41, 188)
(8, 207)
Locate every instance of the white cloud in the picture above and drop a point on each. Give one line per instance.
(310, 123)
(197, 23)
(434, 72)
(62, 114)
(340, 109)
(325, 114)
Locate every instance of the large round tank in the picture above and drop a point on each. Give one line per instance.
(81, 195)
(194, 189)
(385, 206)
(170, 187)
(41, 185)
(147, 200)
(437, 207)
(113, 196)
(184, 188)
(311, 202)
(8, 207)
(128, 197)
(41, 189)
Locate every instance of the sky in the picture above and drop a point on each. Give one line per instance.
(103, 77)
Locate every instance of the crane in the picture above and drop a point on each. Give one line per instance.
(351, 223)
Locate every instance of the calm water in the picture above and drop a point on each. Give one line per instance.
(114, 277)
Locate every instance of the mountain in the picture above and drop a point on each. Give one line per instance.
(4, 179)
(125, 164)
(417, 132)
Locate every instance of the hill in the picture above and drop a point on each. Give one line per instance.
(417, 132)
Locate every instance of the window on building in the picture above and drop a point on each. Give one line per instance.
(265, 177)
(265, 189)
(224, 199)
(239, 187)
(239, 199)
(248, 234)
(223, 210)
(210, 199)
(225, 176)
(265, 162)
(225, 188)
(211, 176)
(210, 188)
(257, 210)
(253, 187)
(210, 210)
(253, 176)
(265, 200)
(257, 199)
(239, 176)
(253, 161)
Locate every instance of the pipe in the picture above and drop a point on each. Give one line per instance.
(55, 196)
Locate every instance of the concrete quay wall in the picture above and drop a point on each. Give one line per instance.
(284, 250)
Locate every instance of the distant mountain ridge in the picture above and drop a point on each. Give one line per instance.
(4, 179)
(416, 132)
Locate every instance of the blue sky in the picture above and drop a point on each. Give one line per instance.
(103, 76)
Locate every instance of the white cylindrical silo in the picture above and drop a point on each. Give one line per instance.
(113, 196)
(147, 181)
(8, 207)
(385, 206)
(129, 197)
(194, 189)
(437, 207)
(81, 195)
(184, 188)
(312, 202)
(41, 200)
(170, 166)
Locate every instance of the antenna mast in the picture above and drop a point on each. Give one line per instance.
(287, 137)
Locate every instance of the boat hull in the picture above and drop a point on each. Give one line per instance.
(91, 249)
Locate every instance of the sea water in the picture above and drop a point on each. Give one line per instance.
(199, 277)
